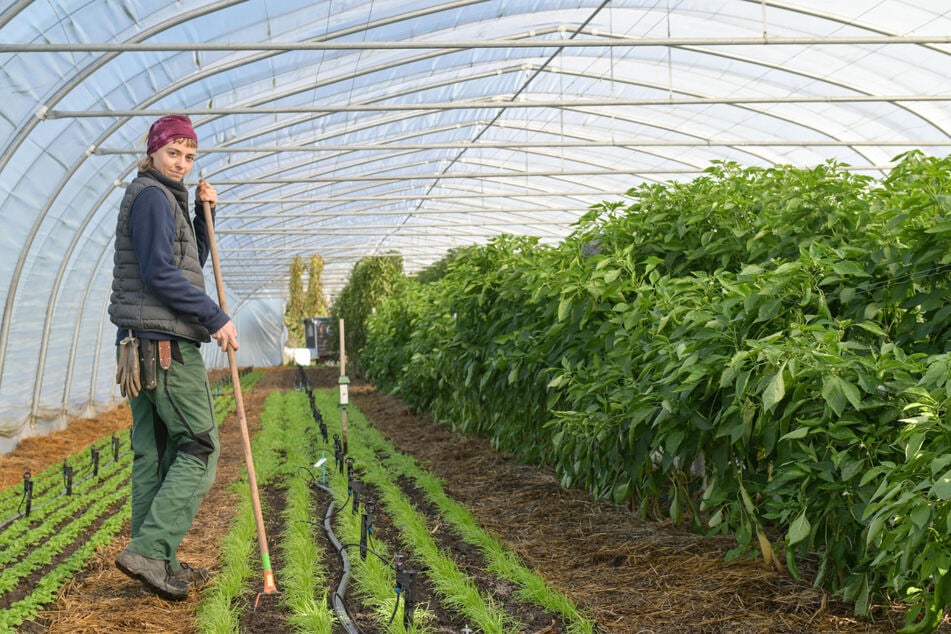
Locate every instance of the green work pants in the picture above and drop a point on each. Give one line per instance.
(175, 448)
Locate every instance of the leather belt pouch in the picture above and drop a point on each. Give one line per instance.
(165, 354)
(147, 356)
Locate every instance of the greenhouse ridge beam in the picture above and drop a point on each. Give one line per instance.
(504, 145)
(476, 175)
(366, 248)
(405, 197)
(501, 102)
(320, 214)
(370, 231)
(360, 228)
(608, 42)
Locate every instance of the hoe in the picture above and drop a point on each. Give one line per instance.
(269, 585)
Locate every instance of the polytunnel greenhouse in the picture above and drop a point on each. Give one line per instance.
(536, 144)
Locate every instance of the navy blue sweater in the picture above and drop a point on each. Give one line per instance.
(152, 228)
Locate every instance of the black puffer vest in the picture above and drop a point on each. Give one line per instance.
(132, 304)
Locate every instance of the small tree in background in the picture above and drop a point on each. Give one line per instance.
(301, 305)
(314, 303)
(294, 312)
(372, 280)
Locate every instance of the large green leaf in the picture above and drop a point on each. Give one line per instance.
(775, 390)
(799, 529)
(942, 486)
(799, 432)
(837, 392)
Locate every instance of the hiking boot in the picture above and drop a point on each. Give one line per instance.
(155, 574)
(192, 576)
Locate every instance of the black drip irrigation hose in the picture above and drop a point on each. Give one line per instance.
(339, 604)
(339, 607)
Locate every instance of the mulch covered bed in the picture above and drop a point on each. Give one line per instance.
(632, 576)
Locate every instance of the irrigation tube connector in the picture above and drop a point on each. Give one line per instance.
(68, 477)
(366, 527)
(27, 492)
(94, 454)
(322, 423)
(355, 492)
(353, 487)
(338, 453)
(405, 587)
(318, 417)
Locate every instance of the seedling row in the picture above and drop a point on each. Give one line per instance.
(356, 540)
(55, 522)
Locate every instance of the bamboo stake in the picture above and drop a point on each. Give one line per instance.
(269, 585)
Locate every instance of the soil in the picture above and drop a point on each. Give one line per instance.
(630, 575)
(266, 612)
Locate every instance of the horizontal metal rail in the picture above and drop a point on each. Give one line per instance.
(500, 101)
(516, 145)
(592, 42)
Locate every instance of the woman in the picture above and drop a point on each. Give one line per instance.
(159, 303)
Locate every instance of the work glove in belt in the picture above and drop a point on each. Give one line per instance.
(127, 369)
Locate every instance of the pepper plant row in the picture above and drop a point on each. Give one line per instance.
(759, 352)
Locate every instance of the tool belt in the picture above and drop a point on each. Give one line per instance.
(150, 352)
(138, 363)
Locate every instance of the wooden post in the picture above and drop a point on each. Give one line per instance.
(344, 383)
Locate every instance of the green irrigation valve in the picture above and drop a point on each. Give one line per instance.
(344, 382)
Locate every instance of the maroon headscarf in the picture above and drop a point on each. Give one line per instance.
(170, 128)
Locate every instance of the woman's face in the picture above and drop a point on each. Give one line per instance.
(174, 160)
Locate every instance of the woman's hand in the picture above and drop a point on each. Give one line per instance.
(227, 337)
(205, 193)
